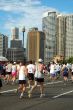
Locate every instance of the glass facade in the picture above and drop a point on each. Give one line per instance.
(61, 34)
(49, 27)
(3, 45)
(69, 36)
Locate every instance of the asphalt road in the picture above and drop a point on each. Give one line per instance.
(58, 97)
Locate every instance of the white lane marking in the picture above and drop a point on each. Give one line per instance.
(63, 94)
(27, 87)
(8, 91)
(53, 82)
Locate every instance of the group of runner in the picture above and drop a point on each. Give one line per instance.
(33, 73)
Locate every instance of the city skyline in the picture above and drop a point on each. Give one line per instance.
(28, 13)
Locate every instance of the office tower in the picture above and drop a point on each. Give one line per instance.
(58, 29)
(35, 44)
(15, 33)
(49, 25)
(69, 36)
(16, 52)
(16, 43)
(61, 35)
(3, 44)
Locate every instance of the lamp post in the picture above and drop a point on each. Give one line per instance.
(23, 30)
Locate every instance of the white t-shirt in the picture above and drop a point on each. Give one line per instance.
(14, 68)
(52, 69)
(57, 67)
(22, 75)
(31, 68)
(72, 67)
(9, 67)
(39, 71)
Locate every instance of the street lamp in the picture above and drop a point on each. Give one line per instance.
(23, 30)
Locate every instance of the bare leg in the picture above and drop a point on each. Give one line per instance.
(42, 89)
(31, 90)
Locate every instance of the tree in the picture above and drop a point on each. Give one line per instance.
(70, 60)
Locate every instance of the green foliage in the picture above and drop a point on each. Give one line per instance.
(70, 60)
(63, 61)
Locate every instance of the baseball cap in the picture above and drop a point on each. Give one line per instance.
(40, 60)
(14, 62)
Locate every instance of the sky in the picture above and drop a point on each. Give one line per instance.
(28, 13)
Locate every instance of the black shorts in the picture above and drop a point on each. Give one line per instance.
(72, 73)
(8, 73)
(39, 80)
(22, 81)
(65, 74)
(0, 83)
(3, 72)
(30, 76)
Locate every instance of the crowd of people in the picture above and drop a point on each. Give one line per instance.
(31, 74)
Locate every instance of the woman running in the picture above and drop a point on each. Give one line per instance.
(14, 72)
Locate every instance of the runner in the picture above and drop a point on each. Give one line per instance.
(57, 70)
(14, 72)
(72, 73)
(39, 78)
(22, 73)
(8, 71)
(31, 70)
(0, 82)
(65, 72)
(52, 71)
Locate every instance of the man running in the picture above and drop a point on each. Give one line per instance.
(65, 72)
(39, 78)
(31, 70)
(8, 71)
(22, 78)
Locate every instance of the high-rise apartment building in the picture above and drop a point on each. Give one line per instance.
(49, 25)
(69, 36)
(61, 35)
(3, 44)
(35, 44)
(65, 35)
(58, 29)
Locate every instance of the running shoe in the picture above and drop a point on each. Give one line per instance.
(29, 94)
(21, 96)
(16, 91)
(42, 95)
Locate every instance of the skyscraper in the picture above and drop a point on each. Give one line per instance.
(49, 25)
(35, 44)
(58, 29)
(69, 36)
(16, 51)
(15, 33)
(61, 35)
(3, 44)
